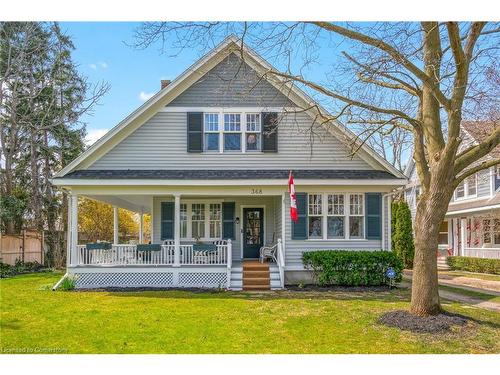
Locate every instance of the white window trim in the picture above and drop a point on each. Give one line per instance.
(243, 129)
(189, 211)
(466, 189)
(346, 217)
(211, 132)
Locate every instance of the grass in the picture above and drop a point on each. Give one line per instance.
(472, 275)
(33, 318)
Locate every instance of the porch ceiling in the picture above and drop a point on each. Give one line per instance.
(135, 203)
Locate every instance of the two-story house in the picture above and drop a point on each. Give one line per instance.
(472, 224)
(208, 157)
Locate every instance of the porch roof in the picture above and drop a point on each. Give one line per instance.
(230, 174)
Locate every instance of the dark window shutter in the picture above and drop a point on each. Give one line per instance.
(299, 229)
(373, 218)
(228, 209)
(167, 220)
(195, 132)
(269, 131)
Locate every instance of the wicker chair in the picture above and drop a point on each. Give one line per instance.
(268, 252)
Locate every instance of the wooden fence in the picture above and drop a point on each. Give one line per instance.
(26, 247)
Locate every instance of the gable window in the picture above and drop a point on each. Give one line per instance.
(467, 188)
(232, 132)
(253, 129)
(315, 216)
(335, 216)
(211, 130)
(356, 216)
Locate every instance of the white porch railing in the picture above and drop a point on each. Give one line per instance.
(123, 255)
(280, 257)
(479, 252)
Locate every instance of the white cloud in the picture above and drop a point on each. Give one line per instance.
(93, 135)
(143, 96)
(93, 66)
(103, 65)
(99, 65)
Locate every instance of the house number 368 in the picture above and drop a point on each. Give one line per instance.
(256, 191)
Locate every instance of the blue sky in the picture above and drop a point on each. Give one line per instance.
(102, 55)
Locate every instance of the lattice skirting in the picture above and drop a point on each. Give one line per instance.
(203, 279)
(124, 280)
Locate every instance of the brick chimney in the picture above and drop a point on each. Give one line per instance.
(165, 83)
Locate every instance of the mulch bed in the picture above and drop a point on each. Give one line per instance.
(406, 321)
(337, 288)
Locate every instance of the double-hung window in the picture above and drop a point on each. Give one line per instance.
(356, 216)
(232, 132)
(198, 220)
(215, 214)
(315, 216)
(336, 216)
(491, 232)
(211, 130)
(253, 130)
(467, 188)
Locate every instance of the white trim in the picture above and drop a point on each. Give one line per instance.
(245, 182)
(228, 46)
(228, 109)
(263, 206)
(484, 208)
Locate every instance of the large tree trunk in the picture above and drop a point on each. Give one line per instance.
(431, 210)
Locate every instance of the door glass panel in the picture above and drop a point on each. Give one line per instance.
(252, 235)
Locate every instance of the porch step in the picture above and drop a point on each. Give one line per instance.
(256, 275)
(266, 270)
(441, 263)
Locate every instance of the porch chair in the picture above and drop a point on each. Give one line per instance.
(268, 252)
(212, 257)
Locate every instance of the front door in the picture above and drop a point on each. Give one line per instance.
(253, 232)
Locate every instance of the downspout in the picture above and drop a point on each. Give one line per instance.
(54, 288)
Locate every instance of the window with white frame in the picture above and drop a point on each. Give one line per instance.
(315, 216)
(336, 216)
(467, 188)
(211, 130)
(491, 231)
(252, 134)
(356, 216)
(215, 213)
(232, 132)
(184, 220)
(198, 220)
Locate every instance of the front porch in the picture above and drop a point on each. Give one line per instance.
(196, 241)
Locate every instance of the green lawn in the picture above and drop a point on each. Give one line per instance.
(33, 318)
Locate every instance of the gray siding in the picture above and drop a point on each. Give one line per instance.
(269, 218)
(161, 144)
(231, 83)
(295, 248)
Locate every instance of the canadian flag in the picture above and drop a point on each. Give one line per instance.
(293, 199)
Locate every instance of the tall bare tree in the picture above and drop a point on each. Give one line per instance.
(421, 78)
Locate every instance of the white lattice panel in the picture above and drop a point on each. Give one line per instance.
(202, 279)
(124, 280)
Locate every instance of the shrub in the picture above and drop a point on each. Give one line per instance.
(481, 265)
(20, 267)
(350, 267)
(402, 233)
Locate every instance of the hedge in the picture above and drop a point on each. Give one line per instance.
(481, 265)
(352, 268)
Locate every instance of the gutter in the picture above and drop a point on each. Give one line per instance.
(54, 288)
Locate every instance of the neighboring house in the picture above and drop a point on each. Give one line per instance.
(208, 157)
(472, 224)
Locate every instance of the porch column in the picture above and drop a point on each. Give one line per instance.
(177, 230)
(283, 222)
(141, 227)
(463, 236)
(73, 230)
(115, 225)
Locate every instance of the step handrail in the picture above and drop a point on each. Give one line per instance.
(281, 262)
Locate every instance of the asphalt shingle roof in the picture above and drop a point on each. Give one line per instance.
(220, 174)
